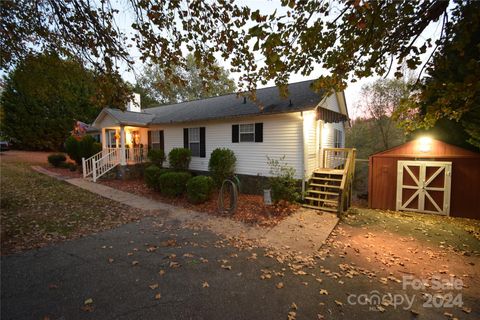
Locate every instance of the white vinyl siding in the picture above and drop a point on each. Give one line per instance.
(281, 136)
(337, 138)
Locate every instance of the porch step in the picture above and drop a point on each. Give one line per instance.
(322, 200)
(322, 192)
(325, 185)
(327, 179)
(320, 208)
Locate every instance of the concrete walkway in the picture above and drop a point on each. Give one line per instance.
(305, 231)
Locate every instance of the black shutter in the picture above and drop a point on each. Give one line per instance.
(235, 133)
(259, 132)
(185, 138)
(162, 141)
(202, 142)
(149, 139)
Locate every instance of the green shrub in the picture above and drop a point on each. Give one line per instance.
(152, 174)
(283, 182)
(89, 147)
(222, 164)
(84, 147)
(199, 189)
(72, 147)
(173, 184)
(179, 158)
(157, 157)
(57, 159)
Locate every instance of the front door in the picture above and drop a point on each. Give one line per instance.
(424, 186)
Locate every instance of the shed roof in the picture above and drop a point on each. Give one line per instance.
(439, 149)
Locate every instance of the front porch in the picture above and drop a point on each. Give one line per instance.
(129, 142)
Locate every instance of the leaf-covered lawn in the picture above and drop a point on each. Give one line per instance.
(37, 209)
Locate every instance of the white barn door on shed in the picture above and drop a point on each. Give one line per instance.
(424, 186)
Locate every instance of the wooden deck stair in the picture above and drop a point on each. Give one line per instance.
(324, 190)
(329, 188)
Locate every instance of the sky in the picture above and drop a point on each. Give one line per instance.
(352, 93)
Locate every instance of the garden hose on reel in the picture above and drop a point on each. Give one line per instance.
(233, 196)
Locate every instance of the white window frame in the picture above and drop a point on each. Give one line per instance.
(246, 132)
(155, 143)
(337, 138)
(194, 141)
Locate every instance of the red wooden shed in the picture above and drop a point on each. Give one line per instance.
(426, 175)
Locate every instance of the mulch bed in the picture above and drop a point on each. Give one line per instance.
(65, 172)
(250, 208)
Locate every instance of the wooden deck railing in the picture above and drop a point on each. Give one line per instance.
(341, 159)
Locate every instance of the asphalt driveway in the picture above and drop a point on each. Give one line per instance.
(157, 269)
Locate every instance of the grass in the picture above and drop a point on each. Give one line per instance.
(37, 209)
(442, 231)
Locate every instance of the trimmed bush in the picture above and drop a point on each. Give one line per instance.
(179, 158)
(222, 164)
(152, 174)
(199, 189)
(85, 147)
(156, 157)
(173, 184)
(72, 147)
(57, 159)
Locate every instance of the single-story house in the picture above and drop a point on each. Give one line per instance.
(297, 128)
(426, 175)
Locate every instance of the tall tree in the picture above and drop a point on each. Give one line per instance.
(380, 100)
(42, 98)
(448, 99)
(351, 39)
(155, 83)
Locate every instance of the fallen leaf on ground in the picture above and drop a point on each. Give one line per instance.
(292, 315)
(226, 267)
(279, 285)
(294, 306)
(161, 272)
(467, 309)
(323, 292)
(153, 286)
(158, 296)
(88, 301)
(205, 284)
(135, 263)
(338, 303)
(110, 260)
(174, 265)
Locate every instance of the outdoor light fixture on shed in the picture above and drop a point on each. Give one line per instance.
(425, 144)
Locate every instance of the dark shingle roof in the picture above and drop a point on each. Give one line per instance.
(131, 118)
(300, 98)
(231, 105)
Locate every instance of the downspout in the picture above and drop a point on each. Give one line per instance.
(303, 154)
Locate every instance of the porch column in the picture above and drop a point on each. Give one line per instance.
(123, 160)
(104, 139)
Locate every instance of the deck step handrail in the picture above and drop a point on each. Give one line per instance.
(106, 163)
(333, 180)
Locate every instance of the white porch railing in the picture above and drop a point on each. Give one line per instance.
(106, 163)
(107, 159)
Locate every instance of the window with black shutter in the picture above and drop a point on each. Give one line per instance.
(156, 140)
(194, 139)
(247, 132)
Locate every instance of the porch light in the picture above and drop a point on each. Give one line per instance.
(425, 144)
